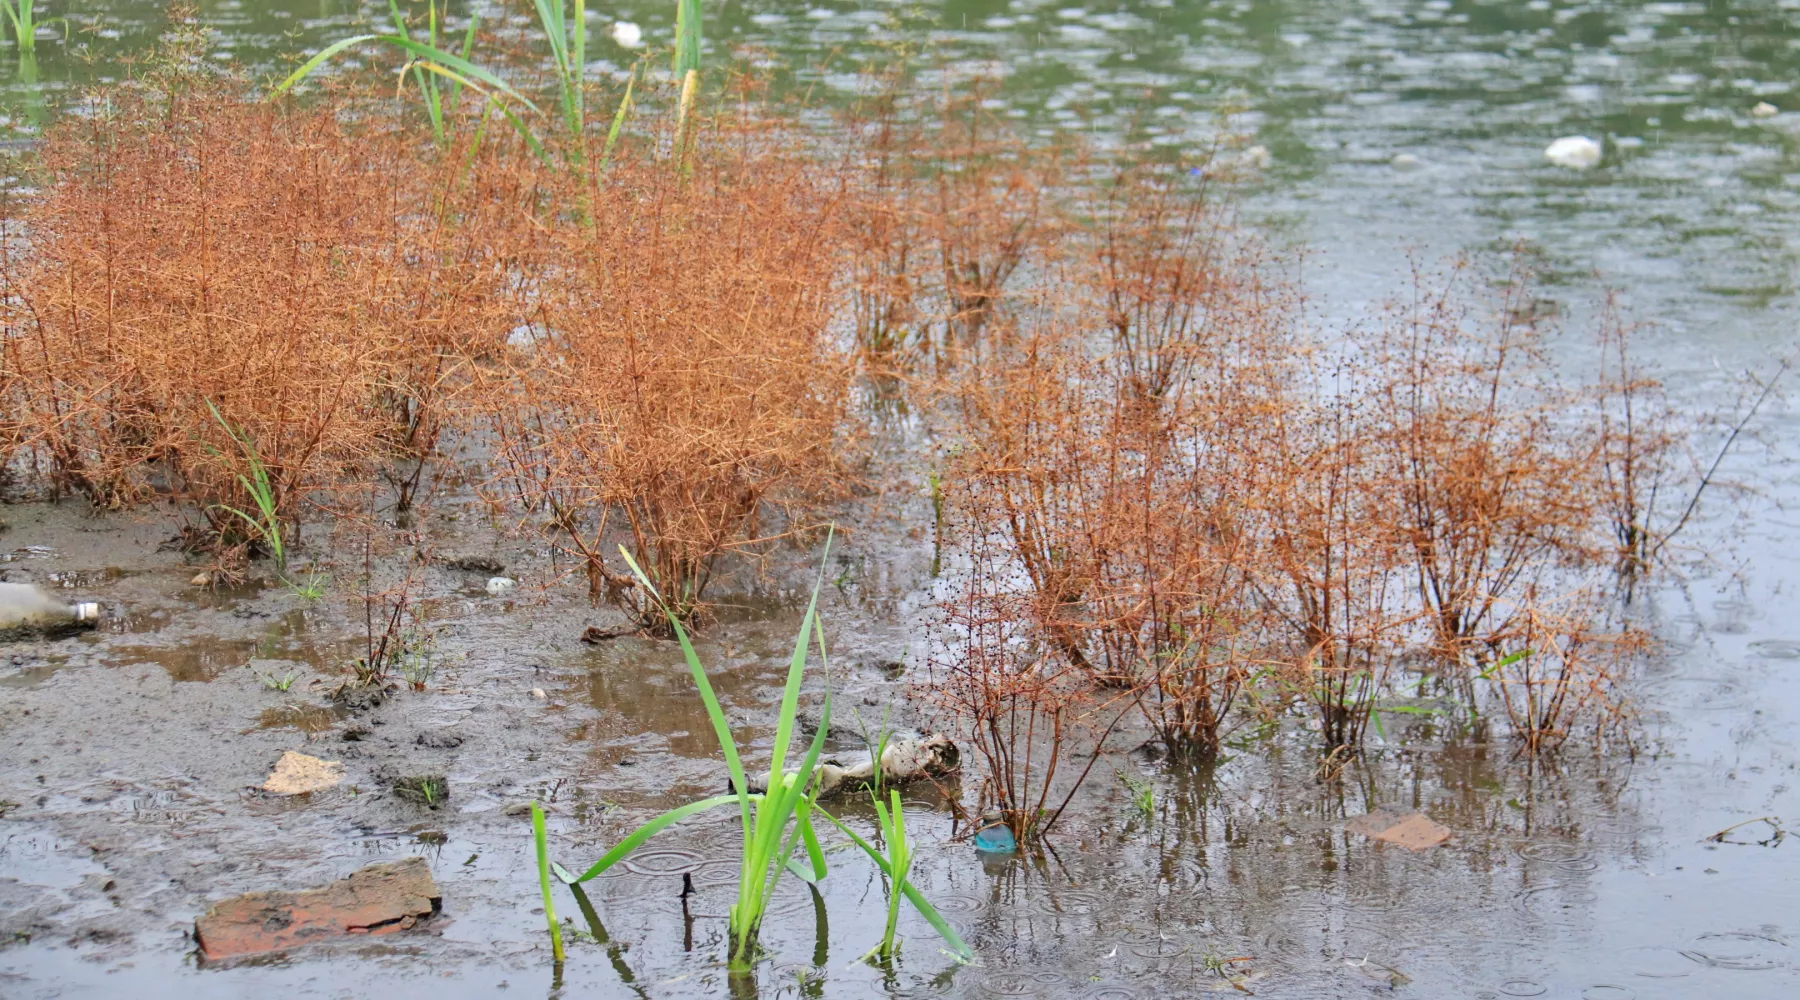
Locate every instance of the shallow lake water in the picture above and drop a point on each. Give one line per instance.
(127, 752)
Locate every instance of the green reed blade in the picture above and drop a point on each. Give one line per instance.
(543, 863)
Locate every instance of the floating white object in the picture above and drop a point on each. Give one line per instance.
(1576, 152)
(1405, 161)
(626, 34)
(1764, 109)
(1257, 157)
(498, 585)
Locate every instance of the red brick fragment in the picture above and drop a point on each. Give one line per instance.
(380, 899)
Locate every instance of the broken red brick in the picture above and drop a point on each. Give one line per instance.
(1413, 831)
(379, 899)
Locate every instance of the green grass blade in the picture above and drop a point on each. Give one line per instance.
(721, 725)
(618, 122)
(810, 838)
(543, 863)
(307, 67)
(957, 946)
(641, 834)
(687, 37)
(790, 695)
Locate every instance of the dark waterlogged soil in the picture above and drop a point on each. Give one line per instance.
(131, 757)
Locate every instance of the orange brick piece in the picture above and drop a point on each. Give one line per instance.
(379, 899)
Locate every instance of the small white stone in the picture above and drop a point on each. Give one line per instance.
(1764, 109)
(538, 693)
(626, 34)
(1405, 161)
(499, 585)
(1575, 152)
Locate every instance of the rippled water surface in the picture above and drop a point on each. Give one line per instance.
(1588, 876)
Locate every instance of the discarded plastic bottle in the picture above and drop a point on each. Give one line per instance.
(27, 612)
(993, 836)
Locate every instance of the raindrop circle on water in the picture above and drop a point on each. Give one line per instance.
(1552, 852)
(1776, 649)
(958, 902)
(1067, 902)
(1009, 984)
(663, 861)
(1523, 988)
(1576, 865)
(1737, 950)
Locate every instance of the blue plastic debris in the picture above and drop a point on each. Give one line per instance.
(993, 835)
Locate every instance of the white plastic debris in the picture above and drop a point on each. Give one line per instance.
(1574, 152)
(501, 585)
(1764, 109)
(26, 610)
(908, 757)
(626, 34)
(1405, 161)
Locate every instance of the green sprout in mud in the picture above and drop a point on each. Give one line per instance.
(440, 75)
(275, 683)
(897, 866)
(312, 589)
(265, 526)
(776, 822)
(1143, 794)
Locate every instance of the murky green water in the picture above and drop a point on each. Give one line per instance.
(1586, 877)
(1690, 213)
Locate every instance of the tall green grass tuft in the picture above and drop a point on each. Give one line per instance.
(23, 16)
(568, 55)
(897, 866)
(440, 75)
(777, 822)
(265, 524)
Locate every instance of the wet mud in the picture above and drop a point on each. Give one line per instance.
(133, 757)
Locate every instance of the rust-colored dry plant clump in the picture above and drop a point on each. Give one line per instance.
(224, 298)
(1177, 493)
(678, 378)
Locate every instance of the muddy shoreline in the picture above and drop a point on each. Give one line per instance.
(132, 755)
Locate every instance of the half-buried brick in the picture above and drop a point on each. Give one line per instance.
(1413, 831)
(379, 899)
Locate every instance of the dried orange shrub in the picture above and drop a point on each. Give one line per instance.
(1493, 482)
(1335, 575)
(1175, 487)
(1565, 671)
(190, 251)
(1110, 444)
(681, 374)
